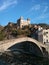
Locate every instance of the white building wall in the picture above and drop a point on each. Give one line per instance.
(43, 36)
(40, 34)
(46, 36)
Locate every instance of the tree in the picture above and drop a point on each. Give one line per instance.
(2, 35)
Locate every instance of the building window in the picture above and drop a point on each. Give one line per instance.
(47, 40)
(44, 42)
(46, 32)
(46, 35)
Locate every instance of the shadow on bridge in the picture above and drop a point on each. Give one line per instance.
(27, 48)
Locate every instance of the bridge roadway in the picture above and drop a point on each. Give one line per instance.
(4, 45)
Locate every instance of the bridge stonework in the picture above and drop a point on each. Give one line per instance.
(4, 45)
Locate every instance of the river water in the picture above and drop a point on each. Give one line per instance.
(18, 58)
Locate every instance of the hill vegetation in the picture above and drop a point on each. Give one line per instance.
(11, 30)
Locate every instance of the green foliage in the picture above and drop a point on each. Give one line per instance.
(20, 32)
(14, 33)
(23, 32)
(2, 35)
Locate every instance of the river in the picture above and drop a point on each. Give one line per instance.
(18, 58)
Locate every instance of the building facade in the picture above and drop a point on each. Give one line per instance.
(40, 34)
(21, 22)
(46, 36)
(43, 35)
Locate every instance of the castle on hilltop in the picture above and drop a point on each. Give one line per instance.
(21, 22)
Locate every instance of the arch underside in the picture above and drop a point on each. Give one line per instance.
(27, 47)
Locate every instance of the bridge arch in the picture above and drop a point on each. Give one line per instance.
(27, 47)
(12, 42)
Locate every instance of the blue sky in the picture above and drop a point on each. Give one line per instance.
(36, 10)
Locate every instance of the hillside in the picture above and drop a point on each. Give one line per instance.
(12, 31)
(44, 25)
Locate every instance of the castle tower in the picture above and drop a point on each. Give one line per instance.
(21, 22)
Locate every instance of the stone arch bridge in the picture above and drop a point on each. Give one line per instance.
(4, 45)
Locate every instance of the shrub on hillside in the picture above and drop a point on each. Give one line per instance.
(2, 35)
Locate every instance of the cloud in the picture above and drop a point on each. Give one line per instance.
(6, 4)
(45, 9)
(42, 16)
(36, 7)
(44, 13)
